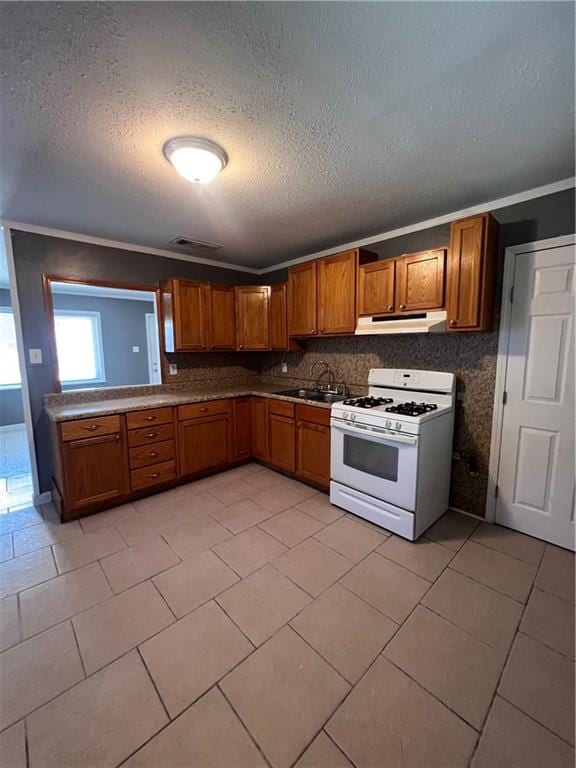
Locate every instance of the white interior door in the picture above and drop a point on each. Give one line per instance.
(152, 341)
(536, 473)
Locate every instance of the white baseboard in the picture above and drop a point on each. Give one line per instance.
(42, 498)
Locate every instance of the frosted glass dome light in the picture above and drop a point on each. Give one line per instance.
(197, 160)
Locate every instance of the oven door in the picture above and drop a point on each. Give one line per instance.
(376, 461)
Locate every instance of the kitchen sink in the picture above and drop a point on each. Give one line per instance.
(312, 394)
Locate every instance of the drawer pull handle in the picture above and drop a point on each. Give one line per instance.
(154, 474)
(151, 418)
(152, 454)
(204, 410)
(92, 427)
(151, 434)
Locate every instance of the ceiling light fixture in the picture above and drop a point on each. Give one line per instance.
(197, 160)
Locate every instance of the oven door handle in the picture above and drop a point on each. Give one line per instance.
(380, 434)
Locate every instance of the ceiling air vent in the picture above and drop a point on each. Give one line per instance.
(194, 245)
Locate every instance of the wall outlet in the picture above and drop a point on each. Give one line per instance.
(173, 369)
(35, 356)
(284, 367)
(135, 349)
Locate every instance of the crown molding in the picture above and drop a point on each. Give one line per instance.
(503, 202)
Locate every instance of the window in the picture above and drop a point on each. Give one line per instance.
(79, 346)
(10, 369)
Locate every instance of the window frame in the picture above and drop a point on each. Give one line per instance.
(6, 387)
(96, 322)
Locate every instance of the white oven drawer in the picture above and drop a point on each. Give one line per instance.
(380, 513)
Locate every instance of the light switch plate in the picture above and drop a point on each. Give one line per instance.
(284, 367)
(135, 349)
(173, 369)
(35, 356)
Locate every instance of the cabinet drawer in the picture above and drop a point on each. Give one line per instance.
(314, 415)
(79, 428)
(281, 408)
(150, 417)
(145, 455)
(159, 473)
(150, 435)
(200, 410)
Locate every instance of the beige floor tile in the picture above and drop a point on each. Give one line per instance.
(387, 586)
(277, 499)
(351, 539)
(108, 517)
(190, 656)
(26, 571)
(249, 551)
(264, 479)
(306, 491)
(452, 665)
(486, 614)
(262, 603)
(43, 535)
(389, 720)
(194, 582)
(18, 519)
(9, 625)
(6, 548)
(112, 628)
(367, 524)
(452, 530)
(85, 549)
(36, 671)
(158, 501)
(100, 722)
(313, 566)
(191, 506)
(139, 562)
(424, 557)
(506, 574)
(551, 621)
(284, 692)
(232, 491)
(319, 507)
(556, 574)
(345, 631)
(323, 753)
(509, 542)
(13, 747)
(61, 598)
(241, 515)
(540, 682)
(292, 526)
(196, 536)
(513, 740)
(207, 735)
(152, 523)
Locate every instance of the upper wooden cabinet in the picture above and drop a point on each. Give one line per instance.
(471, 273)
(221, 314)
(278, 326)
(376, 287)
(184, 310)
(322, 294)
(420, 281)
(252, 317)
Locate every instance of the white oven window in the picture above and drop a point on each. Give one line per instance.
(373, 458)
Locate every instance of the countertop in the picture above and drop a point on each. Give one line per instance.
(141, 402)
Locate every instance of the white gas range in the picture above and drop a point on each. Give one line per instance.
(391, 452)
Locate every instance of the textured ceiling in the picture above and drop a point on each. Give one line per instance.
(341, 120)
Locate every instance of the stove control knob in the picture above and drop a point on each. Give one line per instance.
(353, 417)
(346, 415)
(388, 423)
(398, 425)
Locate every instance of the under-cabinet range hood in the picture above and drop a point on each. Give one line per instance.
(423, 322)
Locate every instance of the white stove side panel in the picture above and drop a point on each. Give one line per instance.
(434, 470)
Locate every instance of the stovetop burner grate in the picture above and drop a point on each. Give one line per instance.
(412, 408)
(368, 402)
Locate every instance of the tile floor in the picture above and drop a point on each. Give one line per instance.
(243, 621)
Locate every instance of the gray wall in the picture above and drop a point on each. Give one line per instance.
(10, 399)
(123, 323)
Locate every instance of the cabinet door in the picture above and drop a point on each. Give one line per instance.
(221, 315)
(190, 316)
(376, 287)
(302, 319)
(242, 428)
(337, 293)
(252, 317)
(420, 281)
(471, 274)
(278, 328)
(95, 470)
(313, 452)
(204, 443)
(281, 435)
(259, 431)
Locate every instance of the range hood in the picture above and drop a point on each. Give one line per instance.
(423, 322)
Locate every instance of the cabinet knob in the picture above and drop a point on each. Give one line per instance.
(453, 322)
(203, 410)
(402, 306)
(241, 346)
(154, 474)
(91, 428)
(390, 307)
(313, 330)
(321, 330)
(152, 454)
(151, 418)
(151, 434)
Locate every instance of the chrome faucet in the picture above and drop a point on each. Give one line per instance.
(328, 370)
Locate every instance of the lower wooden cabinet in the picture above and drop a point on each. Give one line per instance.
(94, 470)
(242, 428)
(313, 444)
(259, 428)
(281, 433)
(204, 441)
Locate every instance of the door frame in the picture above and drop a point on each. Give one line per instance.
(510, 255)
(152, 319)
